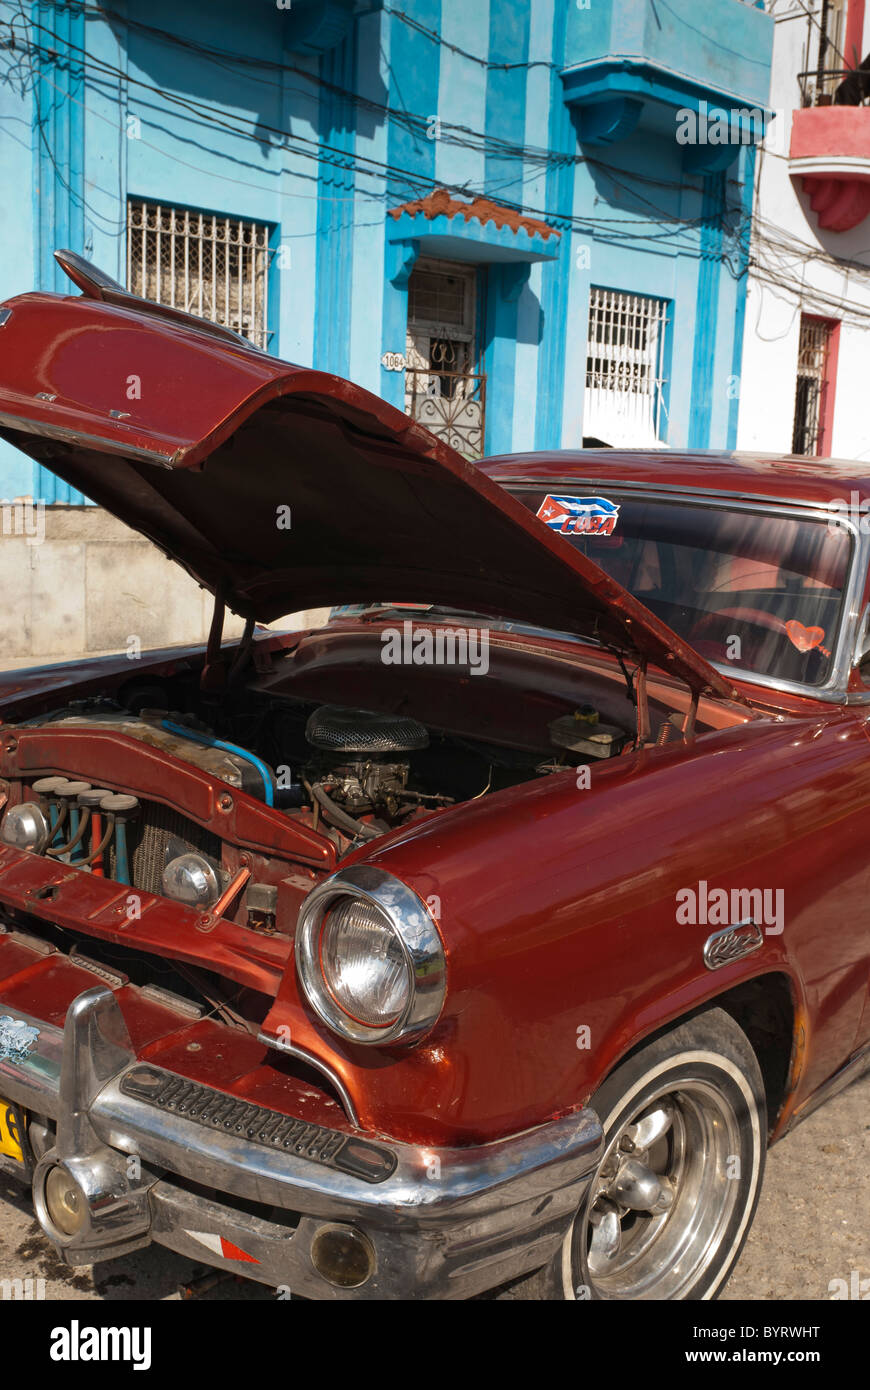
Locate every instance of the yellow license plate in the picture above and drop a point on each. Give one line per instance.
(10, 1134)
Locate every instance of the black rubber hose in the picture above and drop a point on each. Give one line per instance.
(339, 817)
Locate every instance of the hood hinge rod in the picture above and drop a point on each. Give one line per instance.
(689, 726)
(214, 672)
(641, 704)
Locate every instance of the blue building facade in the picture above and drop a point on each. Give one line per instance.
(513, 220)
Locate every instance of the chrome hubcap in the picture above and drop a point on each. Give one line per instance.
(663, 1197)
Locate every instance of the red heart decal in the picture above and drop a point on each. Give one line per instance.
(804, 638)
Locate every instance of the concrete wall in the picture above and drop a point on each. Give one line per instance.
(92, 586)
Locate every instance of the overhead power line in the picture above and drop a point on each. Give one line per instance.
(368, 166)
(767, 237)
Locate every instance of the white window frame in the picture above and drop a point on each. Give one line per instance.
(624, 401)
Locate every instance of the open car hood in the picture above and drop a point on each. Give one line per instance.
(285, 488)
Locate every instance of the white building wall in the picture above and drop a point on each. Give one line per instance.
(773, 310)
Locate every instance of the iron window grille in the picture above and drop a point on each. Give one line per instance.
(214, 267)
(625, 368)
(812, 384)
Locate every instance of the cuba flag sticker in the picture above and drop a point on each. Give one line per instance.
(579, 516)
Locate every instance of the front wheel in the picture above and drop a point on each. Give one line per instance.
(670, 1206)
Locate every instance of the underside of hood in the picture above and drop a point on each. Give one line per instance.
(285, 488)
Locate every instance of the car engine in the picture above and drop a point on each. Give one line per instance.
(361, 766)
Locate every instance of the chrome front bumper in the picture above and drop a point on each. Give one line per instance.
(443, 1223)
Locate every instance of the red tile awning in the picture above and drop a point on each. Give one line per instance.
(439, 203)
(476, 230)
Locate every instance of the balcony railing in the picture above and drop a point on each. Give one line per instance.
(835, 87)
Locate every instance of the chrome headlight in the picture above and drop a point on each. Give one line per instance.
(369, 958)
(26, 827)
(191, 879)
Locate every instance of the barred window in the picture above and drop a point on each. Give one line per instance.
(211, 266)
(813, 385)
(624, 403)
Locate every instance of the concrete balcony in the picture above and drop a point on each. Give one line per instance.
(316, 26)
(653, 64)
(830, 152)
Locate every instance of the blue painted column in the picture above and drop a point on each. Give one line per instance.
(58, 167)
(509, 32)
(335, 212)
(556, 275)
(707, 310)
(58, 137)
(506, 284)
(400, 260)
(747, 169)
(415, 63)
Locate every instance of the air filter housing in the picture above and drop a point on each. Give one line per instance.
(359, 731)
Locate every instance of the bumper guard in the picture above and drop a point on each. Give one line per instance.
(440, 1223)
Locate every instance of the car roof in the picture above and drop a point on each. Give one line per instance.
(790, 478)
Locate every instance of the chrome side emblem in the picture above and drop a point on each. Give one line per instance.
(731, 944)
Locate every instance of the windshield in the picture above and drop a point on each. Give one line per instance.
(748, 590)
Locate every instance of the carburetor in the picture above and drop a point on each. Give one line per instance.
(363, 772)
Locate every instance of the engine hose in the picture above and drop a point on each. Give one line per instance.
(78, 836)
(211, 742)
(339, 817)
(97, 852)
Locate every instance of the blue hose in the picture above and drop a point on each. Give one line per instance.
(196, 737)
(122, 866)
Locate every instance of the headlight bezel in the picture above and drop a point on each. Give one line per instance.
(409, 919)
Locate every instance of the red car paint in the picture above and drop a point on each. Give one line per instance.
(175, 464)
(556, 906)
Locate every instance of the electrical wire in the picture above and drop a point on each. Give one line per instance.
(825, 35)
(437, 38)
(420, 183)
(767, 239)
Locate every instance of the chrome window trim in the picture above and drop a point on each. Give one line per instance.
(666, 490)
(834, 690)
(416, 933)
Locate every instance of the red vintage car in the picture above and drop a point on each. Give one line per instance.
(490, 932)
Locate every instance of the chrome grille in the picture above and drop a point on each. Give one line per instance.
(204, 1106)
